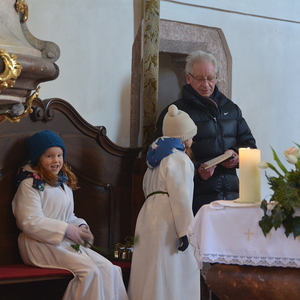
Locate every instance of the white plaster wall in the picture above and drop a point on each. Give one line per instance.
(95, 38)
(263, 38)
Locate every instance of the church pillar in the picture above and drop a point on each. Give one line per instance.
(150, 70)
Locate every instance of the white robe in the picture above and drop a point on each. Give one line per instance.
(43, 218)
(159, 270)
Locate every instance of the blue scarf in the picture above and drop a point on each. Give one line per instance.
(161, 148)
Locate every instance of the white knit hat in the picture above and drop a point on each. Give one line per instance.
(178, 124)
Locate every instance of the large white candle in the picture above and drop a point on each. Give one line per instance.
(249, 174)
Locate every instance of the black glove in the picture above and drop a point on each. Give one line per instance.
(184, 243)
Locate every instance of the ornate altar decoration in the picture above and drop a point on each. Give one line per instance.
(25, 61)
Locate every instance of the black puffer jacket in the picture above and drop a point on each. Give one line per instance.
(221, 126)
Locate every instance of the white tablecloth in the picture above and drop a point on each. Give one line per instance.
(231, 235)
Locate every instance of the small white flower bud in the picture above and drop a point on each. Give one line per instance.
(292, 159)
(263, 165)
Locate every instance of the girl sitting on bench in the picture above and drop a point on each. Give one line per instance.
(44, 209)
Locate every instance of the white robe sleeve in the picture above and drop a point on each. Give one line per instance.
(180, 186)
(43, 215)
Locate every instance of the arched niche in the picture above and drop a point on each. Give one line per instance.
(176, 41)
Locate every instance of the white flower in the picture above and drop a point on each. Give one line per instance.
(292, 159)
(291, 151)
(263, 165)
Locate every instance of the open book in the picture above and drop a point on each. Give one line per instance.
(217, 160)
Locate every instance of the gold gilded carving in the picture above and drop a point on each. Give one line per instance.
(12, 69)
(19, 111)
(22, 7)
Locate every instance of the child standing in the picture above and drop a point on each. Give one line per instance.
(163, 266)
(44, 209)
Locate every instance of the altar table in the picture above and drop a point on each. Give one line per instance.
(246, 265)
(228, 232)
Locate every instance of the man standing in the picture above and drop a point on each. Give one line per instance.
(221, 128)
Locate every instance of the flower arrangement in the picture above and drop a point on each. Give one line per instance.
(286, 197)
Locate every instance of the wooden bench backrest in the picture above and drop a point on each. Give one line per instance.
(104, 171)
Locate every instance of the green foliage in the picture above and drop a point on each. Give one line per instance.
(101, 251)
(285, 199)
(76, 247)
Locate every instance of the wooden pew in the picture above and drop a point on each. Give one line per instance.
(107, 183)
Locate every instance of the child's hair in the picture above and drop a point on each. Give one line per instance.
(189, 152)
(51, 178)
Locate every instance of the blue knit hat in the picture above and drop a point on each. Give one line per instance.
(40, 142)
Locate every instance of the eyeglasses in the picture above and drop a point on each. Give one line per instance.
(203, 79)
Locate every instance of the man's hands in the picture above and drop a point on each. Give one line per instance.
(206, 173)
(232, 163)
